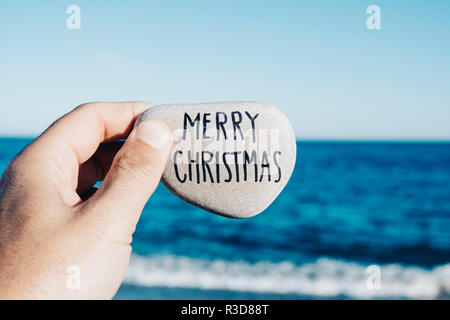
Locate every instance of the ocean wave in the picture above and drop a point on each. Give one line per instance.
(322, 278)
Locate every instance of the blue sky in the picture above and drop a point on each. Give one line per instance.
(314, 60)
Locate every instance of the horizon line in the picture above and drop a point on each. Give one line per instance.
(315, 139)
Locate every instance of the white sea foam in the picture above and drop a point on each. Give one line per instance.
(323, 278)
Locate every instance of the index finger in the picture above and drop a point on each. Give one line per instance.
(85, 127)
(75, 137)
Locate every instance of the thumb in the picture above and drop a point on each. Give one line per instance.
(134, 173)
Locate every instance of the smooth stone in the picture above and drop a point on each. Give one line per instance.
(210, 138)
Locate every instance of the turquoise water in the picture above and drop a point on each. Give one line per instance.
(348, 205)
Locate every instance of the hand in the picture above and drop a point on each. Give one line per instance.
(53, 224)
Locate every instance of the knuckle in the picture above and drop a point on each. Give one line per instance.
(15, 168)
(92, 104)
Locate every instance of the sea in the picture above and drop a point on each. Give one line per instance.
(357, 220)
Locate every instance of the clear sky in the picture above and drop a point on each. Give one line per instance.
(315, 60)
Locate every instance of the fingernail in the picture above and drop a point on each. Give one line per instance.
(154, 133)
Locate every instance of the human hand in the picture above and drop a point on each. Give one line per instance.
(51, 219)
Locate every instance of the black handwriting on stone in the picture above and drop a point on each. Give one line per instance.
(204, 121)
(199, 167)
